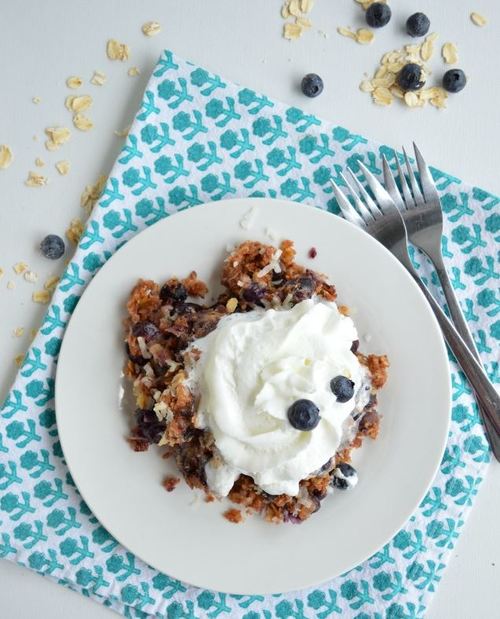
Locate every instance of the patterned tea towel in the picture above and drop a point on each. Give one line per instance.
(197, 138)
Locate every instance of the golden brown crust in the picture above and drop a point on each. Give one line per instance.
(170, 483)
(144, 300)
(194, 286)
(378, 364)
(233, 515)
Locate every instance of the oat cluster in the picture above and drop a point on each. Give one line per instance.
(383, 85)
(296, 11)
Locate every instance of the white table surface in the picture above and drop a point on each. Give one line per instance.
(43, 43)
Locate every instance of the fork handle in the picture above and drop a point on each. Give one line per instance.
(462, 327)
(485, 391)
(455, 310)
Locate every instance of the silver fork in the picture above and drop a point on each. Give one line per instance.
(420, 207)
(382, 220)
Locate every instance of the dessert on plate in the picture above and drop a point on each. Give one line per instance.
(260, 396)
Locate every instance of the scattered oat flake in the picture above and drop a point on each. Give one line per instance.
(294, 8)
(78, 103)
(411, 99)
(306, 6)
(151, 28)
(98, 79)
(292, 31)
(74, 82)
(5, 156)
(18, 332)
(133, 72)
(364, 36)
(366, 86)
(63, 167)
(18, 360)
(11, 285)
(92, 193)
(41, 296)
(427, 47)
(39, 162)
(1, 272)
(33, 333)
(121, 133)
(450, 53)
(75, 230)
(36, 180)
(36, 100)
(382, 96)
(51, 282)
(20, 267)
(57, 136)
(82, 122)
(478, 20)
(346, 32)
(117, 51)
(31, 277)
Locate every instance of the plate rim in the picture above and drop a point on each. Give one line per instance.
(248, 203)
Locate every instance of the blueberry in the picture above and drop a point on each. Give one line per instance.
(303, 415)
(146, 329)
(312, 85)
(253, 294)
(52, 246)
(148, 425)
(342, 388)
(454, 80)
(174, 293)
(410, 77)
(417, 25)
(344, 476)
(378, 14)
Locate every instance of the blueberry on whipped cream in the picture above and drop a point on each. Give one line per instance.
(264, 381)
(303, 415)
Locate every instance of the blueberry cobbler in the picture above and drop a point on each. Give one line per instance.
(261, 396)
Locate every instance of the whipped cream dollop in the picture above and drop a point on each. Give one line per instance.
(253, 367)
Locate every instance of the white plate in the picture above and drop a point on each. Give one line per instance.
(190, 540)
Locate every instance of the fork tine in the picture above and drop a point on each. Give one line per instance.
(417, 194)
(390, 185)
(426, 180)
(365, 213)
(384, 200)
(372, 207)
(345, 206)
(408, 198)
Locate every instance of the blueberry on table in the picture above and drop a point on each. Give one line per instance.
(342, 388)
(378, 15)
(410, 77)
(417, 25)
(454, 80)
(312, 85)
(52, 246)
(344, 476)
(303, 415)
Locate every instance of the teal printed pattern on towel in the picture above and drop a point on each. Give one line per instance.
(196, 138)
